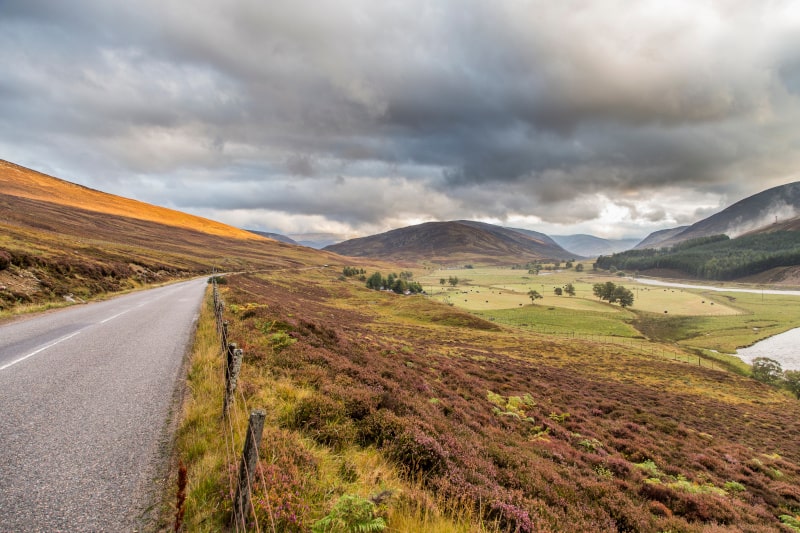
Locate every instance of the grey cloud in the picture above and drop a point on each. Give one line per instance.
(479, 109)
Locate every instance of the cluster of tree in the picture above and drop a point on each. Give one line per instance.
(400, 284)
(717, 257)
(769, 371)
(452, 280)
(537, 266)
(613, 293)
(352, 271)
(568, 289)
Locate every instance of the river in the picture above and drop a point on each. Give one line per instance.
(784, 347)
(660, 283)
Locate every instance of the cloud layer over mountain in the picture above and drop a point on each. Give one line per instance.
(613, 118)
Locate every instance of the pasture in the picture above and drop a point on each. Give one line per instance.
(693, 318)
(485, 289)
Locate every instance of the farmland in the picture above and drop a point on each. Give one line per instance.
(693, 318)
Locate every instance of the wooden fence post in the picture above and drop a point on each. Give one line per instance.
(247, 468)
(233, 364)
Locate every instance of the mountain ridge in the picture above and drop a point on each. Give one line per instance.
(454, 242)
(751, 213)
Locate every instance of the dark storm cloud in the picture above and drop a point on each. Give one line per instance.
(548, 110)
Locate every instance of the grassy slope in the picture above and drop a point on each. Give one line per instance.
(26, 183)
(57, 238)
(607, 439)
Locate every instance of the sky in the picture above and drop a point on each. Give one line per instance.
(353, 117)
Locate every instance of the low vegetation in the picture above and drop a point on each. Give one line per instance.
(405, 412)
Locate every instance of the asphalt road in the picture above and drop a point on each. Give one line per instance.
(86, 395)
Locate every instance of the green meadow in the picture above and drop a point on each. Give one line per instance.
(697, 319)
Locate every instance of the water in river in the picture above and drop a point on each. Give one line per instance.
(784, 348)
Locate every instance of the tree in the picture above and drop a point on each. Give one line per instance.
(452, 280)
(534, 295)
(442, 281)
(604, 291)
(558, 291)
(399, 286)
(613, 293)
(569, 288)
(375, 281)
(568, 265)
(623, 296)
(579, 267)
(767, 370)
(792, 378)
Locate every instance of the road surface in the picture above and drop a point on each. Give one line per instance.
(86, 396)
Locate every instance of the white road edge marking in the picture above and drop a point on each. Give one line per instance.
(43, 348)
(112, 317)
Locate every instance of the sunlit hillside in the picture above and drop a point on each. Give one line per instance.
(26, 183)
(62, 243)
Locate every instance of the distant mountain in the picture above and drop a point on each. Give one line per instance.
(762, 209)
(546, 239)
(591, 246)
(456, 242)
(655, 239)
(274, 236)
(317, 241)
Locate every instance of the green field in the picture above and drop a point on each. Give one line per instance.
(693, 318)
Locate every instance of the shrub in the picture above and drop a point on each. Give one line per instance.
(379, 427)
(350, 514)
(793, 522)
(283, 475)
(418, 454)
(324, 419)
(733, 487)
(659, 509)
(280, 340)
(509, 517)
(5, 260)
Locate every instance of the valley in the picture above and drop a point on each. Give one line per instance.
(490, 403)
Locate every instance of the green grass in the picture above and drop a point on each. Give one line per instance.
(542, 319)
(700, 320)
(761, 317)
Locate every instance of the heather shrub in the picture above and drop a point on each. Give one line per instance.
(314, 411)
(509, 517)
(379, 427)
(323, 418)
(5, 260)
(283, 477)
(418, 454)
(659, 509)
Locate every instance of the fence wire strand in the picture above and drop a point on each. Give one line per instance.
(231, 420)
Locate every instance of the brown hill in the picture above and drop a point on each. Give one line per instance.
(454, 242)
(58, 238)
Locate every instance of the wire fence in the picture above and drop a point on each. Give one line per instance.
(236, 415)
